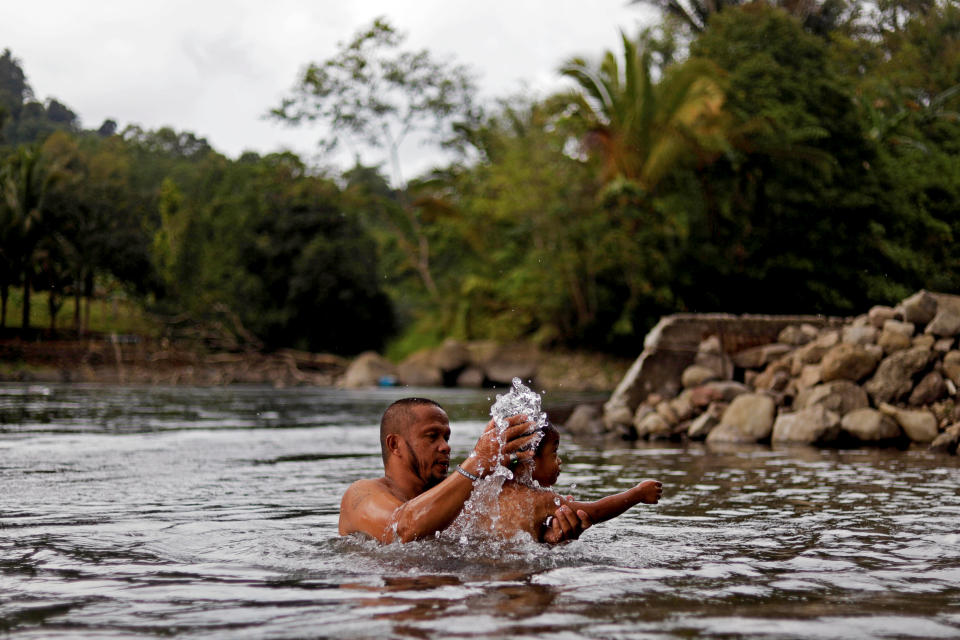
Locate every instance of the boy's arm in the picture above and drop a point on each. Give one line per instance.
(647, 492)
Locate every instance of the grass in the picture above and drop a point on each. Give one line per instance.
(115, 314)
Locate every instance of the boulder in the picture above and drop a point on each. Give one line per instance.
(919, 424)
(472, 378)
(751, 414)
(880, 314)
(870, 425)
(893, 378)
(813, 352)
(809, 377)
(860, 334)
(812, 425)
(776, 376)
(757, 357)
(667, 413)
(703, 424)
(946, 324)
(710, 355)
(652, 425)
(716, 391)
(839, 396)
(585, 420)
(943, 345)
(419, 370)
(951, 367)
(903, 328)
(797, 335)
(511, 361)
(369, 369)
(923, 341)
(930, 389)
(947, 441)
(682, 405)
(695, 375)
(919, 308)
(847, 362)
(452, 355)
(892, 341)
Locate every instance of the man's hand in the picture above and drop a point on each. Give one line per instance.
(517, 445)
(567, 525)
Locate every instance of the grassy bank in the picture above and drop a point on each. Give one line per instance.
(114, 314)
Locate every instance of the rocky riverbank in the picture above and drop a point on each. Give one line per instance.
(887, 377)
(111, 359)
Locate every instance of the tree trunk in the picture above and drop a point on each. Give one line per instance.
(53, 308)
(77, 299)
(27, 281)
(4, 295)
(88, 294)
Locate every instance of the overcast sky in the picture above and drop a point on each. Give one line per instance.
(214, 67)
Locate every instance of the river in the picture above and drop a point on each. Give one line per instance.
(212, 512)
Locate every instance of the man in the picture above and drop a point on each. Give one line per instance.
(415, 498)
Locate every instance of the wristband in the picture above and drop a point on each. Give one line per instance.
(467, 474)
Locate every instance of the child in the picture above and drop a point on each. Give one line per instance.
(525, 507)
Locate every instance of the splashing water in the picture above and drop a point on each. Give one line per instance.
(484, 501)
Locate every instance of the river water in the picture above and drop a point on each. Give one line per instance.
(210, 513)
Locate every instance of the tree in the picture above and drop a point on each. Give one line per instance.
(378, 94)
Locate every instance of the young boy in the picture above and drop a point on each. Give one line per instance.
(525, 507)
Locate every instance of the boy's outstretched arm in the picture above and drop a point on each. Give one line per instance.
(647, 492)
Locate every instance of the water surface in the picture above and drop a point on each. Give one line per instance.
(145, 512)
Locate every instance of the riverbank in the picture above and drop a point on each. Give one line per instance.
(134, 359)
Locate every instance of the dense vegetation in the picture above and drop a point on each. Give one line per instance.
(784, 157)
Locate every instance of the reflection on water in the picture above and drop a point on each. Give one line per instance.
(212, 512)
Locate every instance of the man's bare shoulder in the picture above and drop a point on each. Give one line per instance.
(362, 490)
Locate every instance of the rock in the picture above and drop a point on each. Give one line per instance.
(710, 354)
(776, 376)
(695, 375)
(880, 314)
(703, 424)
(847, 362)
(452, 355)
(943, 345)
(930, 389)
(919, 424)
(946, 324)
(904, 328)
(419, 370)
(757, 357)
(919, 308)
(682, 405)
(923, 341)
(947, 441)
(951, 367)
(369, 369)
(750, 415)
(892, 341)
(667, 413)
(797, 335)
(860, 334)
(652, 425)
(585, 420)
(716, 391)
(813, 352)
(511, 361)
(809, 377)
(869, 425)
(893, 378)
(812, 425)
(472, 378)
(839, 396)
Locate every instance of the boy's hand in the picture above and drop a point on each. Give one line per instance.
(650, 491)
(566, 525)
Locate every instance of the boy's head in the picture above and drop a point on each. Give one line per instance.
(546, 462)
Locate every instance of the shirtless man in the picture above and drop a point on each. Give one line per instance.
(415, 498)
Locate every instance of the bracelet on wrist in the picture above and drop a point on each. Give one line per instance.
(467, 474)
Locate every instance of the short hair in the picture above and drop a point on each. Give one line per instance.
(398, 417)
(550, 433)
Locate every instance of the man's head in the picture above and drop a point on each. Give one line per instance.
(414, 434)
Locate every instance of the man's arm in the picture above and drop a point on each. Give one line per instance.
(369, 507)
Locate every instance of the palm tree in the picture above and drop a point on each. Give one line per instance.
(641, 129)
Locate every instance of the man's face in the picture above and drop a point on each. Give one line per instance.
(427, 443)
